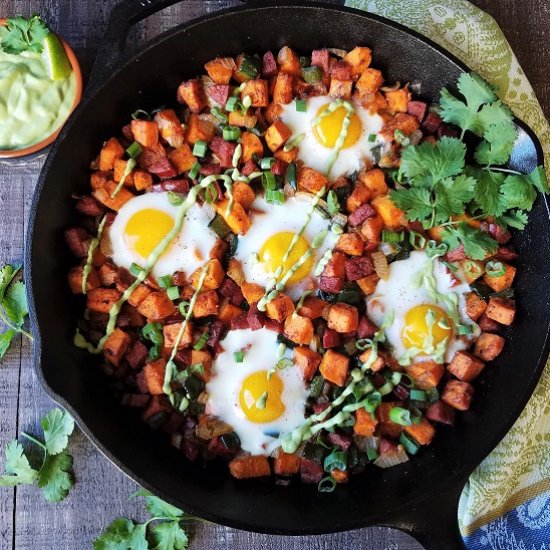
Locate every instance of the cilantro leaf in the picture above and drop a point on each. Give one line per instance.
(518, 192)
(427, 163)
(18, 469)
(122, 534)
(452, 196)
(498, 143)
(7, 274)
(21, 34)
(15, 303)
(476, 91)
(487, 192)
(158, 507)
(538, 178)
(416, 202)
(58, 425)
(169, 536)
(55, 478)
(513, 218)
(5, 341)
(477, 244)
(332, 201)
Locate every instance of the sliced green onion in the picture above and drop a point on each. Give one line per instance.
(154, 352)
(327, 485)
(175, 199)
(184, 308)
(219, 114)
(418, 395)
(248, 67)
(396, 377)
(363, 344)
(165, 281)
(194, 172)
(247, 102)
(269, 181)
(465, 329)
(262, 400)
(199, 149)
(153, 332)
(495, 269)
(417, 240)
(389, 236)
(232, 104)
(434, 250)
(332, 202)
(134, 150)
(385, 389)
(372, 138)
(231, 133)
(173, 292)
(136, 269)
(315, 386)
(140, 114)
(274, 196)
(400, 416)
(197, 368)
(211, 193)
(201, 342)
(372, 454)
(290, 175)
(323, 211)
(238, 356)
(219, 226)
(312, 75)
(266, 163)
(412, 447)
(301, 105)
(401, 138)
(290, 144)
(284, 363)
(336, 459)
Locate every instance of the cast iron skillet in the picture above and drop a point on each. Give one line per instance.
(419, 497)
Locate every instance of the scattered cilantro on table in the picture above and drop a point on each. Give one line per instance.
(439, 182)
(21, 34)
(13, 306)
(54, 476)
(162, 531)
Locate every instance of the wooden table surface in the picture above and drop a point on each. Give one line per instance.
(101, 492)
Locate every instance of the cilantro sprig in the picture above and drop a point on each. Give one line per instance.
(439, 182)
(21, 34)
(13, 306)
(162, 531)
(54, 476)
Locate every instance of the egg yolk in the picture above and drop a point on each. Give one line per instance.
(253, 401)
(146, 229)
(424, 325)
(272, 253)
(329, 128)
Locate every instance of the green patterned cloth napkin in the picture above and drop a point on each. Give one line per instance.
(518, 470)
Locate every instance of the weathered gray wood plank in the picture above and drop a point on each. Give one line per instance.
(101, 491)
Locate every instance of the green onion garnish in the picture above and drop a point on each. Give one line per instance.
(372, 138)
(194, 172)
(201, 342)
(417, 240)
(184, 307)
(211, 193)
(219, 114)
(389, 236)
(175, 199)
(495, 269)
(290, 175)
(248, 67)
(231, 133)
(232, 104)
(140, 114)
(292, 142)
(400, 416)
(412, 447)
(418, 395)
(465, 329)
(316, 386)
(134, 150)
(336, 459)
(165, 281)
(284, 363)
(219, 226)
(269, 181)
(312, 75)
(136, 269)
(153, 332)
(197, 368)
(173, 292)
(274, 196)
(247, 102)
(154, 352)
(238, 356)
(386, 388)
(327, 485)
(372, 454)
(199, 149)
(301, 105)
(332, 202)
(401, 138)
(266, 163)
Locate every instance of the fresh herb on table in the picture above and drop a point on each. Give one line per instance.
(54, 476)
(166, 533)
(13, 306)
(21, 34)
(437, 185)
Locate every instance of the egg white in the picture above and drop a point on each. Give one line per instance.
(228, 376)
(317, 156)
(188, 251)
(268, 220)
(398, 294)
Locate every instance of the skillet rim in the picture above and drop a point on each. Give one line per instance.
(458, 478)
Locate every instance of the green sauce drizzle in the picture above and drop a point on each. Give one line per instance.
(91, 249)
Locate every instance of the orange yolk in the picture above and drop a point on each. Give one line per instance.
(418, 329)
(254, 387)
(330, 126)
(146, 229)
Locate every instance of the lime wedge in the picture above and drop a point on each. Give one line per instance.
(54, 58)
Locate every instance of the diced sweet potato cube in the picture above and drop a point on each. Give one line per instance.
(170, 127)
(343, 318)
(139, 294)
(422, 433)
(192, 93)
(235, 271)
(359, 196)
(336, 266)
(398, 100)
(146, 132)
(465, 366)
(286, 464)
(157, 306)
(313, 307)
(358, 59)
(340, 88)
(119, 172)
(375, 181)
(251, 145)
(182, 158)
(351, 244)
(288, 61)
(475, 306)
(115, 346)
(282, 92)
(110, 152)
(229, 311)
(489, 346)
(242, 120)
(172, 331)
(99, 179)
(365, 424)
(407, 124)
(220, 70)
(199, 129)
(142, 180)
(104, 196)
(502, 282)
(252, 292)
(368, 284)
(214, 276)
(280, 307)
(307, 361)
(369, 81)
(75, 280)
(154, 376)
(372, 229)
(458, 394)
(243, 194)
(501, 310)
(376, 365)
(237, 219)
(392, 216)
(257, 91)
(334, 367)
(249, 466)
(102, 300)
(311, 180)
(426, 374)
(277, 134)
(286, 156)
(299, 329)
(387, 427)
(206, 304)
(204, 357)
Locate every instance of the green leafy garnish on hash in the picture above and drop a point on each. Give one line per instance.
(20, 34)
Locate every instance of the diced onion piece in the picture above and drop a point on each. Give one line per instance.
(396, 86)
(288, 190)
(338, 52)
(340, 219)
(381, 265)
(388, 460)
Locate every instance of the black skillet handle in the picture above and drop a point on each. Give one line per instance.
(113, 43)
(433, 522)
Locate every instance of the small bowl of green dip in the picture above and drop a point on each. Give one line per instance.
(33, 105)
